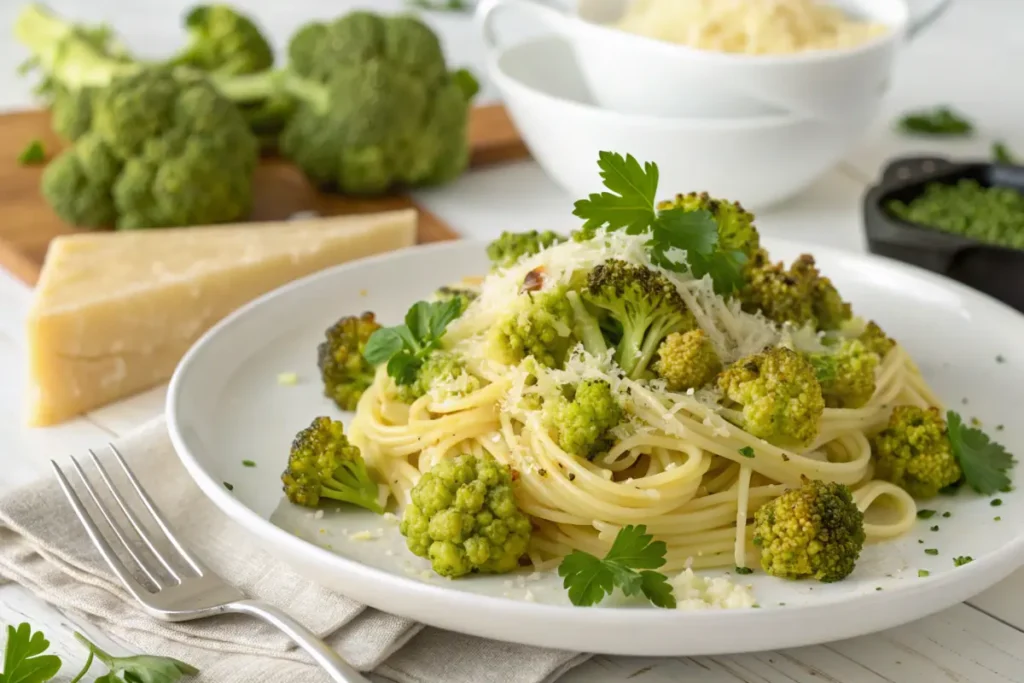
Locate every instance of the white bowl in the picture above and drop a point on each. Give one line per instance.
(758, 161)
(638, 75)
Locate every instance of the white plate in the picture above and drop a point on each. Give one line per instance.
(225, 405)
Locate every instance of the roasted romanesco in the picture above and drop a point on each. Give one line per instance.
(444, 370)
(914, 452)
(735, 224)
(800, 295)
(510, 247)
(779, 396)
(816, 531)
(464, 518)
(687, 360)
(345, 372)
(583, 423)
(539, 325)
(846, 374)
(324, 465)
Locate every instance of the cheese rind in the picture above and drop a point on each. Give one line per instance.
(113, 313)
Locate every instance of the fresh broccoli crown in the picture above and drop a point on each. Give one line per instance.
(736, 229)
(914, 452)
(687, 360)
(540, 325)
(224, 41)
(78, 183)
(799, 295)
(583, 425)
(324, 465)
(378, 107)
(441, 368)
(846, 374)
(780, 396)
(647, 306)
(876, 340)
(345, 373)
(508, 249)
(815, 531)
(463, 294)
(464, 518)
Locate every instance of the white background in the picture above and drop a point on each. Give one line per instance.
(972, 59)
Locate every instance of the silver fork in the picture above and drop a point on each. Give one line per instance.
(177, 595)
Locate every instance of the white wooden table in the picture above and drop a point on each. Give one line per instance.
(972, 59)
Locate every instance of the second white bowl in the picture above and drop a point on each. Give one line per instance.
(757, 161)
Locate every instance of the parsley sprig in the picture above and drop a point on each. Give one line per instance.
(628, 566)
(25, 658)
(405, 347)
(680, 240)
(984, 462)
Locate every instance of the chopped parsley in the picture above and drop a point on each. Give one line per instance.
(229, 486)
(923, 573)
(941, 121)
(925, 514)
(747, 452)
(947, 513)
(248, 463)
(962, 560)
(996, 502)
(997, 519)
(931, 551)
(744, 570)
(935, 528)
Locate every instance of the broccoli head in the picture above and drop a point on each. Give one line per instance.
(510, 247)
(815, 531)
(583, 424)
(79, 183)
(539, 325)
(224, 41)
(440, 368)
(846, 374)
(323, 465)
(914, 452)
(464, 518)
(799, 295)
(377, 105)
(345, 373)
(876, 340)
(736, 229)
(779, 394)
(687, 360)
(644, 303)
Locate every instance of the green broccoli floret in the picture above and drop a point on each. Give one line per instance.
(464, 518)
(539, 325)
(846, 374)
(815, 531)
(345, 373)
(644, 303)
(583, 423)
(876, 340)
(508, 249)
(440, 367)
(465, 296)
(79, 183)
(687, 360)
(378, 107)
(736, 229)
(799, 295)
(914, 452)
(324, 465)
(779, 394)
(224, 41)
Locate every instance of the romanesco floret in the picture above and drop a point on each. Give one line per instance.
(440, 369)
(464, 518)
(815, 531)
(914, 452)
(736, 229)
(510, 247)
(646, 305)
(583, 423)
(799, 295)
(345, 372)
(846, 374)
(876, 340)
(324, 465)
(539, 325)
(779, 394)
(687, 360)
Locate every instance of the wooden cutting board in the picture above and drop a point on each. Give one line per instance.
(27, 224)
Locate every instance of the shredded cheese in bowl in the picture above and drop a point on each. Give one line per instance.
(749, 26)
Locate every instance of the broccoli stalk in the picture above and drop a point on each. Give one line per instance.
(323, 464)
(647, 306)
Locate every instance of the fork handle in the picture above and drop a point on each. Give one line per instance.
(337, 668)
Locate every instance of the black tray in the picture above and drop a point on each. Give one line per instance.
(997, 271)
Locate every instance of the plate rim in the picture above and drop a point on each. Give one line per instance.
(438, 606)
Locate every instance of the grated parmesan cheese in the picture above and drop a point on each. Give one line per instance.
(694, 592)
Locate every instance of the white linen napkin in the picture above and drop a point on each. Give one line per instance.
(44, 548)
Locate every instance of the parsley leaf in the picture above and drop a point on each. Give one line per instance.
(139, 668)
(590, 579)
(24, 658)
(33, 154)
(405, 347)
(680, 241)
(983, 461)
(940, 121)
